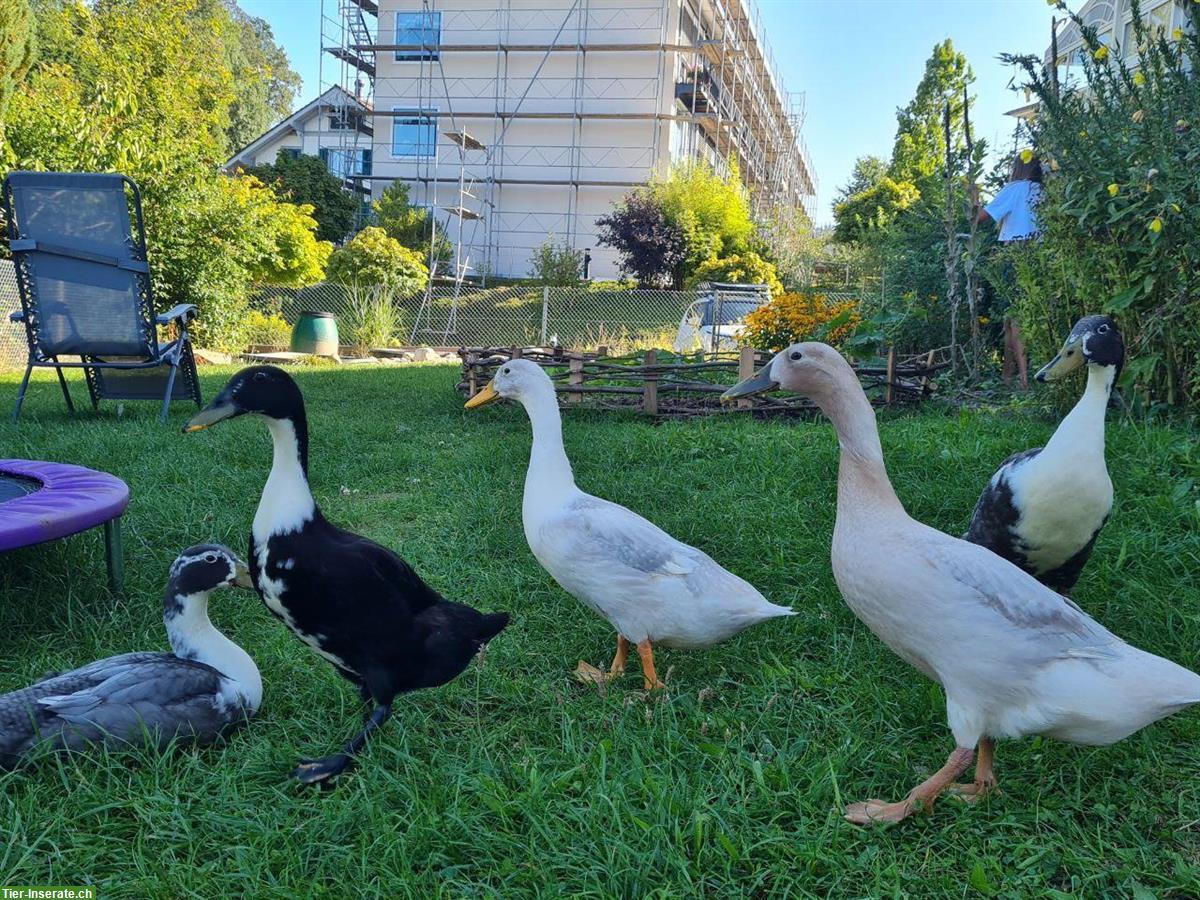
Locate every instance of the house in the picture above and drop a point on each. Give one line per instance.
(1113, 21)
(318, 129)
(513, 120)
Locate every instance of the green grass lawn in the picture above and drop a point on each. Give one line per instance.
(512, 779)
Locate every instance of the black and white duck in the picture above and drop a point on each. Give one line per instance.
(1044, 508)
(207, 685)
(355, 603)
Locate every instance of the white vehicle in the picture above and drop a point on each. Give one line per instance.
(715, 321)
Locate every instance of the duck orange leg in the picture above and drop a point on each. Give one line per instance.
(920, 797)
(650, 680)
(985, 774)
(589, 674)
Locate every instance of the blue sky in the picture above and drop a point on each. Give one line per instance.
(856, 61)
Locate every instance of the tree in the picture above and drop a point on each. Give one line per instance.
(868, 171)
(652, 248)
(712, 211)
(373, 258)
(16, 52)
(307, 180)
(412, 226)
(872, 208)
(556, 263)
(919, 152)
(739, 268)
(141, 87)
(265, 85)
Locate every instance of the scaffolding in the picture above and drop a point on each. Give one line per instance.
(571, 102)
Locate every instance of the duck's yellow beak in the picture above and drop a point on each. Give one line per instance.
(1069, 358)
(212, 414)
(484, 397)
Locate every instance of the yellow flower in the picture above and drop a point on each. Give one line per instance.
(1138, 78)
(1114, 189)
(1027, 156)
(1100, 54)
(1138, 115)
(1176, 208)
(1156, 224)
(1083, 133)
(984, 320)
(1177, 34)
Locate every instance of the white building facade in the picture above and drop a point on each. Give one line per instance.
(515, 120)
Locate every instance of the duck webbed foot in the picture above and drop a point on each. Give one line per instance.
(316, 771)
(985, 775)
(589, 674)
(650, 679)
(921, 797)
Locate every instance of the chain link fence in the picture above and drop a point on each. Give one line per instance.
(13, 349)
(498, 316)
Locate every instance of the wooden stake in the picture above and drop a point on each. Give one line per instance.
(891, 374)
(650, 385)
(575, 379)
(745, 370)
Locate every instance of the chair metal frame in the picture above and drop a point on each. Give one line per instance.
(176, 354)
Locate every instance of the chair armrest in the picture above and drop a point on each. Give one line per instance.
(184, 313)
(16, 316)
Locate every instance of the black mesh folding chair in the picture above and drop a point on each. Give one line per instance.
(85, 289)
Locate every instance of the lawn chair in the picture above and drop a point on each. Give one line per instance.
(85, 289)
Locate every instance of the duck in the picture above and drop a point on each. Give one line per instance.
(1044, 508)
(355, 603)
(1014, 657)
(652, 588)
(206, 686)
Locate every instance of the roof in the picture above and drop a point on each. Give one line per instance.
(334, 97)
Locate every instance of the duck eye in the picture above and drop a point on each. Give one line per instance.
(507, 371)
(796, 354)
(1103, 329)
(210, 558)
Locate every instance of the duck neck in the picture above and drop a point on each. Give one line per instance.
(863, 483)
(193, 636)
(287, 502)
(1082, 430)
(549, 476)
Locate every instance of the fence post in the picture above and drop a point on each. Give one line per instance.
(650, 384)
(575, 379)
(891, 374)
(745, 370)
(472, 375)
(545, 313)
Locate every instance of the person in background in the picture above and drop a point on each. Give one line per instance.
(1014, 210)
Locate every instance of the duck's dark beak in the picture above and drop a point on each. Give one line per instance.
(217, 411)
(1069, 358)
(760, 383)
(484, 397)
(242, 578)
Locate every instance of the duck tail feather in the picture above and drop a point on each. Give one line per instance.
(491, 625)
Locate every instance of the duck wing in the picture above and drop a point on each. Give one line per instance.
(598, 548)
(354, 569)
(129, 698)
(995, 515)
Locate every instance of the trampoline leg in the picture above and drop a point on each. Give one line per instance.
(113, 555)
(63, 384)
(21, 392)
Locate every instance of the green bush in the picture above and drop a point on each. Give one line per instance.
(372, 318)
(556, 263)
(745, 268)
(1121, 216)
(373, 258)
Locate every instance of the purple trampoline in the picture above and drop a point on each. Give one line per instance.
(45, 501)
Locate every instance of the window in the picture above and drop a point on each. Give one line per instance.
(1158, 24)
(419, 31)
(346, 163)
(289, 153)
(413, 132)
(345, 118)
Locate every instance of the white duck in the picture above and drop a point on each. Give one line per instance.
(652, 588)
(1014, 657)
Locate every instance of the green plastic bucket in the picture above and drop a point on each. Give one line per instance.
(315, 333)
